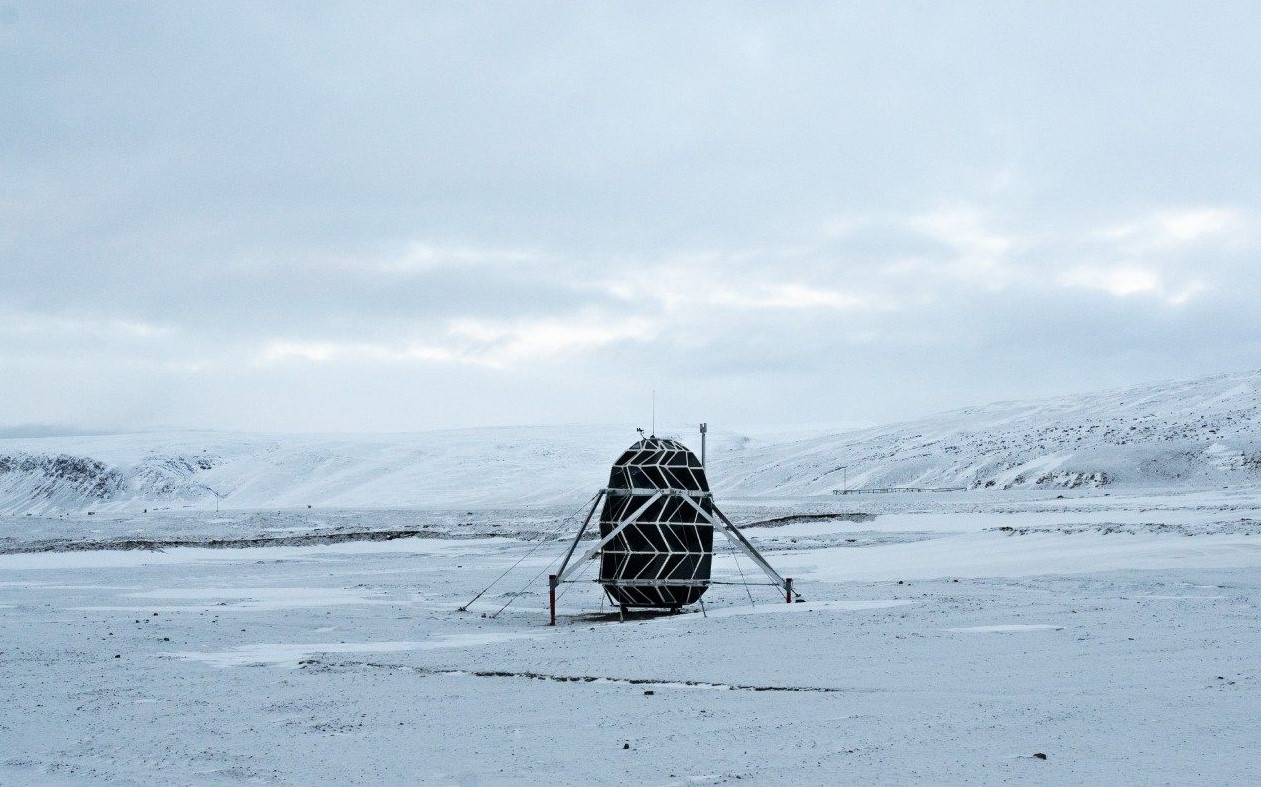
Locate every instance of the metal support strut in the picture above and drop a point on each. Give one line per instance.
(720, 522)
(729, 530)
(574, 545)
(590, 553)
(551, 598)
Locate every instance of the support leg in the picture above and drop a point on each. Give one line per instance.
(720, 522)
(560, 572)
(551, 598)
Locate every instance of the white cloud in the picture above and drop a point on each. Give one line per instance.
(1116, 281)
(790, 295)
(982, 255)
(1128, 280)
(497, 344)
(55, 325)
(758, 279)
(418, 257)
(281, 350)
(1171, 229)
(504, 343)
(1191, 225)
(427, 257)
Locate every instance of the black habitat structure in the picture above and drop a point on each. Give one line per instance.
(661, 558)
(656, 544)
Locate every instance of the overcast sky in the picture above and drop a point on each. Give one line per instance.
(366, 217)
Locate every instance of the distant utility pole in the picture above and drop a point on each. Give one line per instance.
(217, 495)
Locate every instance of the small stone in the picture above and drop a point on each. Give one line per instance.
(649, 693)
(625, 745)
(1039, 756)
(118, 655)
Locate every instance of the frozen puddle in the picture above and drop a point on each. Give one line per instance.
(259, 599)
(290, 654)
(586, 679)
(1010, 628)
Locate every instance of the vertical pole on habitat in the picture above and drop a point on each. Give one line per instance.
(551, 598)
(704, 430)
(788, 590)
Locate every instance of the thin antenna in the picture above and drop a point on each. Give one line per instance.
(654, 412)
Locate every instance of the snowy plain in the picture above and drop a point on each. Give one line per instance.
(1116, 635)
(1091, 617)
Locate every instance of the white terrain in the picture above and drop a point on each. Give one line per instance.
(1074, 598)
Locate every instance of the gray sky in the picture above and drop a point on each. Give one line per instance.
(328, 217)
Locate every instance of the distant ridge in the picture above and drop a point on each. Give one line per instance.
(1196, 433)
(1188, 433)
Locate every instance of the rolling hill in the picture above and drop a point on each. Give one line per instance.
(1187, 434)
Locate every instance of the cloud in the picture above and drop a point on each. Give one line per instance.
(778, 216)
(37, 324)
(422, 257)
(1169, 230)
(1126, 281)
(789, 295)
(495, 344)
(735, 282)
(281, 350)
(1118, 281)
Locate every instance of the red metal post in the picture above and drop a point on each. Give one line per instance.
(788, 590)
(551, 598)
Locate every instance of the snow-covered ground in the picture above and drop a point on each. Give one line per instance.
(945, 638)
(1086, 609)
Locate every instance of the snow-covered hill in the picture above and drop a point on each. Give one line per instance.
(476, 467)
(1193, 433)
(1197, 433)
